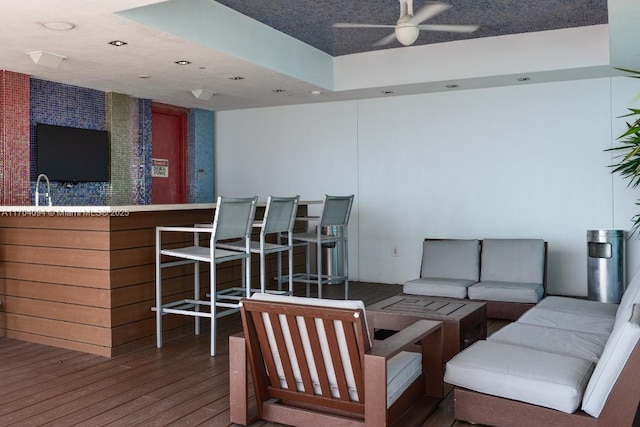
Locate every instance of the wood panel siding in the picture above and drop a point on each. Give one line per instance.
(87, 282)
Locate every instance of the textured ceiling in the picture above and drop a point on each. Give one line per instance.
(311, 21)
(160, 32)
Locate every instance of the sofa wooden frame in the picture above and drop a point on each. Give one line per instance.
(619, 409)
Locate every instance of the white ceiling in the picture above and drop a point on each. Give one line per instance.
(91, 62)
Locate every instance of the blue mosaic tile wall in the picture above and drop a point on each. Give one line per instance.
(65, 105)
(143, 182)
(200, 162)
(128, 121)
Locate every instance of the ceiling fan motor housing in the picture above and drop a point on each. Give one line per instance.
(406, 33)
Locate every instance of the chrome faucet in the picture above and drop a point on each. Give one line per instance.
(47, 196)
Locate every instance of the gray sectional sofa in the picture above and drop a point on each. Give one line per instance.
(564, 362)
(509, 274)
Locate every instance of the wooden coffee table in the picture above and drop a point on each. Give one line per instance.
(463, 322)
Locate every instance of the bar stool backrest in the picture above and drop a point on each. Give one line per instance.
(233, 218)
(280, 214)
(336, 211)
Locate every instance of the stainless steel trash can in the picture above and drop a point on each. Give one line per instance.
(606, 280)
(333, 259)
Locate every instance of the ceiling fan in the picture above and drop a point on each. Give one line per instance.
(409, 24)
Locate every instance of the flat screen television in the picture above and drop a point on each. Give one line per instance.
(72, 154)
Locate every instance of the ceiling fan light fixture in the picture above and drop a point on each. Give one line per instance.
(407, 35)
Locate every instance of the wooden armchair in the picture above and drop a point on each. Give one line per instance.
(312, 363)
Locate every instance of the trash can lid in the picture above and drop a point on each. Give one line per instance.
(605, 233)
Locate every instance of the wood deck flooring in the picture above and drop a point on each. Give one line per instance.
(178, 385)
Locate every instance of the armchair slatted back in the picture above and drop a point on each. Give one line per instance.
(310, 355)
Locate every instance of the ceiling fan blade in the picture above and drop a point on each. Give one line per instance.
(452, 28)
(385, 41)
(349, 25)
(428, 11)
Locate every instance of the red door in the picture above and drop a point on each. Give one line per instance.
(168, 154)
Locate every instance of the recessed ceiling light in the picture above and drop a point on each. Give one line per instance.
(183, 62)
(316, 93)
(58, 25)
(117, 43)
(387, 92)
(451, 86)
(277, 90)
(524, 79)
(236, 78)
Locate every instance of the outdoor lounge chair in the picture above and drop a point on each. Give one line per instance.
(312, 363)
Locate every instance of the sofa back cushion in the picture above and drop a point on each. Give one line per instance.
(630, 296)
(451, 259)
(617, 350)
(513, 260)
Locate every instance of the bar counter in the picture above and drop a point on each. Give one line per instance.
(82, 277)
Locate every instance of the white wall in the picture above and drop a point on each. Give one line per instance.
(519, 161)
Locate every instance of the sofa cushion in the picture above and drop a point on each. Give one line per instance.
(513, 260)
(402, 371)
(451, 259)
(541, 378)
(452, 288)
(630, 297)
(620, 344)
(564, 320)
(574, 305)
(506, 291)
(571, 343)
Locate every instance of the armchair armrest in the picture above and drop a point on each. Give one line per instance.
(429, 332)
(404, 338)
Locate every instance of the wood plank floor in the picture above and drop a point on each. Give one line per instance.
(178, 385)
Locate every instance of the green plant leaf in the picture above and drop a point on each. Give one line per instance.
(628, 165)
(637, 76)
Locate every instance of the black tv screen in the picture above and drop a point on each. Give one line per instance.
(72, 154)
